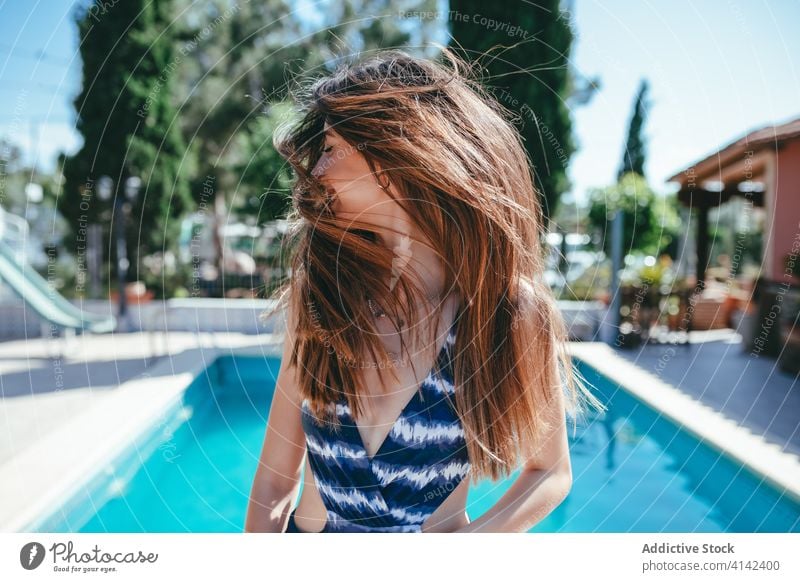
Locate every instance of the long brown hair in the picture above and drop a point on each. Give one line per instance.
(463, 176)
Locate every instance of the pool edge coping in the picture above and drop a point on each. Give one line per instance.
(178, 372)
(34, 495)
(766, 460)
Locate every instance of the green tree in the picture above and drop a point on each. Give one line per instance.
(128, 123)
(634, 156)
(651, 222)
(264, 177)
(236, 57)
(240, 60)
(13, 177)
(525, 49)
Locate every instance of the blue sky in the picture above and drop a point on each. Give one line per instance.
(717, 69)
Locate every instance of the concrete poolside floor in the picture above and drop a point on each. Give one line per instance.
(44, 383)
(742, 406)
(713, 368)
(39, 390)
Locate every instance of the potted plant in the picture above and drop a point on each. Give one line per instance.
(135, 293)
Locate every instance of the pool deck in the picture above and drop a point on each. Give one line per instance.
(744, 406)
(61, 417)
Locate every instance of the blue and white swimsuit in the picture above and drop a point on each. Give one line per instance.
(423, 458)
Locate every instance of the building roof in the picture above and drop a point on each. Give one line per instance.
(740, 160)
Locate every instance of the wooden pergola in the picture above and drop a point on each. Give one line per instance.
(745, 167)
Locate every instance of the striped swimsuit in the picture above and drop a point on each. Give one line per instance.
(423, 458)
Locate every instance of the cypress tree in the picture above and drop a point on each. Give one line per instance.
(128, 123)
(633, 157)
(524, 50)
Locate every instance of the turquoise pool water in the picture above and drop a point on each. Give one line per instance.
(633, 470)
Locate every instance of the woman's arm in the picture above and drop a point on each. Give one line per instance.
(277, 479)
(541, 486)
(534, 494)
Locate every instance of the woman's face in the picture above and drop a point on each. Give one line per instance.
(344, 171)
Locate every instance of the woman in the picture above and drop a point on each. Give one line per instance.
(423, 351)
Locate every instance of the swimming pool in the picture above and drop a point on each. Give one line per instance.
(633, 470)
